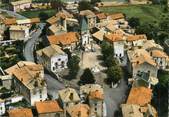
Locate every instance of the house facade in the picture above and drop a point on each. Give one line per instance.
(19, 32)
(160, 57)
(118, 44)
(135, 40)
(139, 60)
(68, 40)
(52, 58)
(68, 98)
(28, 80)
(93, 93)
(17, 6)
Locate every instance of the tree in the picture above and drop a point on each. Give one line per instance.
(84, 5)
(134, 22)
(106, 49)
(94, 1)
(57, 4)
(67, 51)
(114, 74)
(73, 65)
(111, 61)
(43, 16)
(87, 77)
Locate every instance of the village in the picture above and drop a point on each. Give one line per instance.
(78, 62)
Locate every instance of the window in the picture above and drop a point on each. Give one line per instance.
(62, 64)
(40, 96)
(56, 65)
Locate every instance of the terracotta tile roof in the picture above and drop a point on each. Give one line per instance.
(10, 21)
(35, 20)
(131, 110)
(48, 107)
(64, 39)
(136, 37)
(140, 56)
(69, 95)
(96, 95)
(27, 73)
(113, 37)
(159, 53)
(23, 112)
(117, 16)
(79, 110)
(101, 16)
(140, 95)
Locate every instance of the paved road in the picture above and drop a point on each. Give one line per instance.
(18, 16)
(30, 44)
(53, 86)
(114, 97)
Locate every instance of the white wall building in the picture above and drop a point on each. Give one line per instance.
(20, 5)
(118, 44)
(52, 58)
(19, 32)
(2, 107)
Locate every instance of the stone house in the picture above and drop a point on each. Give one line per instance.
(49, 109)
(139, 60)
(135, 41)
(19, 32)
(28, 80)
(118, 44)
(68, 98)
(17, 6)
(68, 40)
(161, 58)
(95, 96)
(52, 58)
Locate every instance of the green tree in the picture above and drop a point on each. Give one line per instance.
(134, 22)
(114, 74)
(94, 1)
(43, 16)
(111, 61)
(84, 5)
(87, 77)
(107, 49)
(73, 65)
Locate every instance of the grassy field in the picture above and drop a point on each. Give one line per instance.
(146, 13)
(31, 14)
